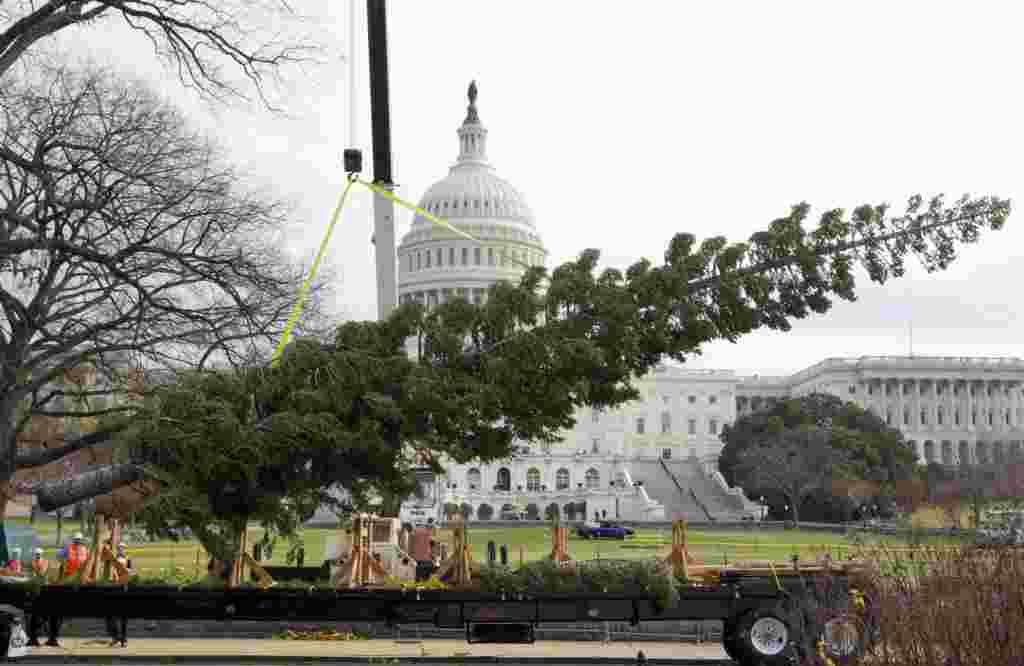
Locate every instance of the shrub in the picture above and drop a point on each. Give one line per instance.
(944, 605)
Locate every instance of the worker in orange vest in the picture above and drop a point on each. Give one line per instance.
(74, 556)
(39, 566)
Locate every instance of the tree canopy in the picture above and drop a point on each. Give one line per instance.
(207, 44)
(126, 243)
(516, 367)
(872, 450)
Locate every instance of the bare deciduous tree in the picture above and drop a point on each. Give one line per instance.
(124, 243)
(199, 39)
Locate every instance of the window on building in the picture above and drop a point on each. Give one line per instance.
(440, 256)
(410, 263)
(1007, 417)
(906, 417)
(974, 417)
(533, 480)
(871, 389)
(692, 399)
(666, 454)
(666, 423)
(419, 261)
(956, 417)
(593, 479)
(490, 256)
(990, 417)
(476, 256)
(906, 389)
(888, 417)
(691, 426)
(473, 479)
(595, 445)
(924, 416)
(713, 426)
(451, 256)
(562, 479)
(640, 425)
(665, 399)
(428, 253)
(712, 399)
(852, 389)
(938, 416)
(465, 256)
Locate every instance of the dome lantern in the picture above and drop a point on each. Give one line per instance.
(472, 134)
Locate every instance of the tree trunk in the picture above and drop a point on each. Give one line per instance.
(223, 547)
(57, 494)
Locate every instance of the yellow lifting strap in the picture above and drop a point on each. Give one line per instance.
(335, 216)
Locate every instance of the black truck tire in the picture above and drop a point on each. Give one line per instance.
(765, 637)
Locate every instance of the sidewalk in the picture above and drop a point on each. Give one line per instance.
(214, 647)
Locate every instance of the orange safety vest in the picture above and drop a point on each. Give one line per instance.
(40, 567)
(77, 555)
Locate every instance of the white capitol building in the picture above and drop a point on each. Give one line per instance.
(656, 458)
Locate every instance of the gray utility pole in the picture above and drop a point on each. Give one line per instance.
(380, 114)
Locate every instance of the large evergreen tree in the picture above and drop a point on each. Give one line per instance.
(518, 366)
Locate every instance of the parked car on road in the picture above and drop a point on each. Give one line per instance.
(603, 530)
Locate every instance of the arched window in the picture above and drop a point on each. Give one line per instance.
(504, 479)
(562, 479)
(533, 479)
(593, 479)
(473, 479)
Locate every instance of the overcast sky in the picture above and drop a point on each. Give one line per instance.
(625, 123)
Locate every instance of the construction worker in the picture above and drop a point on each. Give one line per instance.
(39, 566)
(119, 633)
(420, 547)
(14, 564)
(73, 556)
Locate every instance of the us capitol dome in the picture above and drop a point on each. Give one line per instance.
(435, 264)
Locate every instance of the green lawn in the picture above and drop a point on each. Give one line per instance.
(709, 546)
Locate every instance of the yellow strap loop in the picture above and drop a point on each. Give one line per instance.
(304, 291)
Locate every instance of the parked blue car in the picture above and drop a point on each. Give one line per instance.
(603, 530)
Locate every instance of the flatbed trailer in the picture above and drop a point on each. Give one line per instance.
(764, 617)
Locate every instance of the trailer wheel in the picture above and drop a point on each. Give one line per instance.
(764, 637)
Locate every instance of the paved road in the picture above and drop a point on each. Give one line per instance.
(258, 661)
(206, 652)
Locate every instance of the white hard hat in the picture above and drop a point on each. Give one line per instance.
(38, 551)
(78, 536)
(122, 545)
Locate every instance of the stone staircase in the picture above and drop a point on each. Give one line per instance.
(688, 491)
(662, 486)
